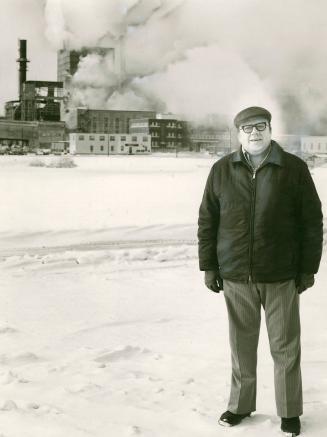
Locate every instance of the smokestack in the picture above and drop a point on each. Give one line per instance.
(22, 60)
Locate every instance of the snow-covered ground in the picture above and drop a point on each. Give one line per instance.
(106, 328)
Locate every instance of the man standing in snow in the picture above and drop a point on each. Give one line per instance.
(260, 240)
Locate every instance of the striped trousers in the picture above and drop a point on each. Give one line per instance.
(280, 301)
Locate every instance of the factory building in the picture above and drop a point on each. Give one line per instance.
(207, 140)
(38, 100)
(109, 144)
(32, 134)
(103, 120)
(68, 63)
(166, 134)
(314, 145)
(68, 60)
(32, 121)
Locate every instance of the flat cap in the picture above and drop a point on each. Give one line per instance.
(252, 111)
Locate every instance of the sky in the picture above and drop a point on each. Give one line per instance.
(188, 57)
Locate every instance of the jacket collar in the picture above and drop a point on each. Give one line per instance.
(275, 155)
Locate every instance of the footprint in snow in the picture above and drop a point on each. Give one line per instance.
(124, 353)
(42, 409)
(83, 388)
(24, 358)
(8, 405)
(134, 430)
(8, 377)
(6, 329)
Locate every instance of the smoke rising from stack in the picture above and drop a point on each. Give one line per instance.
(195, 58)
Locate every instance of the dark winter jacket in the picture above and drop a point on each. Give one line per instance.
(266, 226)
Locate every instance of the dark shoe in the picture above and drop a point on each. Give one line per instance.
(231, 419)
(291, 425)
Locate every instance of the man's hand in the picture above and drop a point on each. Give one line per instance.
(213, 281)
(304, 281)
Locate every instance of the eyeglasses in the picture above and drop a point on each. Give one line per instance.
(248, 128)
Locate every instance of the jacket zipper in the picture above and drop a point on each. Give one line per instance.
(253, 195)
(252, 210)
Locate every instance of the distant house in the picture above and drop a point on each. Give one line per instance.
(109, 144)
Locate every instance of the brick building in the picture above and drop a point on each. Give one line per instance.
(166, 134)
(103, 120)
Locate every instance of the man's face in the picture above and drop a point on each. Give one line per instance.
(257, 140)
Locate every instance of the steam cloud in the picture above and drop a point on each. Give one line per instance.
(195, 58)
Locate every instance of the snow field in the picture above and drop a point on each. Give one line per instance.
(106, 328)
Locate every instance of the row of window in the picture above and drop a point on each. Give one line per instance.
(111, 138)
(107, 130)
(112, 149)
(314, 146)
(168, 144)
(172, 125)
(208, 137)
(117, 121)
(106, 120)
(156, 135)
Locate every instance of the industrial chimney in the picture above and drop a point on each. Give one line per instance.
(22, 60)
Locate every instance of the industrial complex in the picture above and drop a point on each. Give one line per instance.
(44, 118)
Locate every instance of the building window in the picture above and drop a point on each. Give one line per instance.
(122, 138)
(81, 137)
(134, 138)
(91, 148)
(102, 138)
(122, 148)
(101, 148)
(91, 137)
(145, 139)
(116, 125)
(112, 138)
(112, 148)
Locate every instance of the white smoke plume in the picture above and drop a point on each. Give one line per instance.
(197, 57)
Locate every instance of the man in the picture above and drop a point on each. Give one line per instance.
(260, 240)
